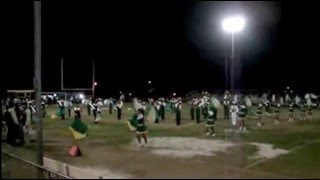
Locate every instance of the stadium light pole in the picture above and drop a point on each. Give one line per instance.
(233, 25)
(37, 82)
(93, 89)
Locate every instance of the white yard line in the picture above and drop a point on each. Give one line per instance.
(290, 151)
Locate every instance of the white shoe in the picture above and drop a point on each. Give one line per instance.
(208, 134)
(213, 135)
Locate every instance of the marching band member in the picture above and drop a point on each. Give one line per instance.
(141, 128)
(291, 110)
(226, 104)
(61, 112)
(234, 114)
(95, 110)
(259, 112)
(43, 108)
(302, 112)
(277, 113)
(192, 108)
(198, 107)
(99, 105)
(89, 106)
(119, 108)
(242, 116)
(210, 122)
(178, 107)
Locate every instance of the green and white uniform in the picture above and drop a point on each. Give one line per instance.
(210, 118)
(210, 122)
(141, 126)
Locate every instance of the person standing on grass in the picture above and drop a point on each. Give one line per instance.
(43, 108)
(198, 107)
(291, 110)
(12, 124)
(89, 103)
(94, 110)
(277, 113)
(234, 115)
(178, 107)
(259, 112)
(226, 104)
(110, 105)
(309, 115)
(98, 114)
(242, 117)
(302, 111)
(141, 128)
(192, 108)
(210, 122)
(162, 108)
(61, 112)
(119, 108)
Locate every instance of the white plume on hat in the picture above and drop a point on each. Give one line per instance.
(248, 101)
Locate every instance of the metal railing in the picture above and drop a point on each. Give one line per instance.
(13, 169)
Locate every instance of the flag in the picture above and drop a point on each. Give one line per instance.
(132, 123)
(215, 102)
(78, 129)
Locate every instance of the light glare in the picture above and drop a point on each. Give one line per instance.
(233, 24)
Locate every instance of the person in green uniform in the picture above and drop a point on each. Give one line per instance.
(291, 110)
(192, 109)
(61, 109)
(77, 124)
(210, 122)
(302, 112)
(259, 112)
(142, 129)
(157, 111)
(277, 113)
(198, 106)
(162, 108)
(242, 116)
(178, 107)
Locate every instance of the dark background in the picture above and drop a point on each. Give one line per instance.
(178, 45)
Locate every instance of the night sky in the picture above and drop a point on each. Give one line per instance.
(178, 45)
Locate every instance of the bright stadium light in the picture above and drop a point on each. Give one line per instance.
(54, 95)
(149, 82)
(81, 96)
(95, 83)
(174, 94)
(233, 24)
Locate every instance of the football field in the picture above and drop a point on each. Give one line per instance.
(287, 150)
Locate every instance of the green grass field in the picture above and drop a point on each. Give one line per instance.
(109, 145)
